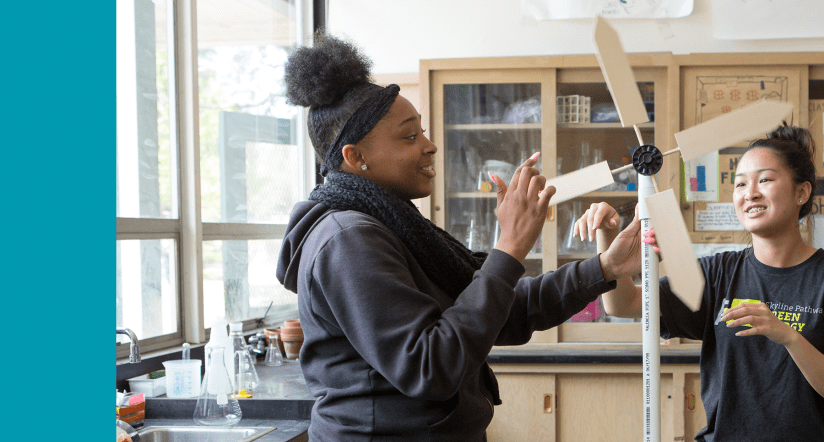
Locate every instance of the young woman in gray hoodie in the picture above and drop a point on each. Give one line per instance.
(398, 316)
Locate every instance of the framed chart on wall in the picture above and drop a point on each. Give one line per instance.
(708, 181)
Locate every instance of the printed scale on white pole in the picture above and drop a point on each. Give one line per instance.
(660, 209)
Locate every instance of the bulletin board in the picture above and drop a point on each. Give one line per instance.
(707, 182)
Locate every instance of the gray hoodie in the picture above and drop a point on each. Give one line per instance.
(390, 355)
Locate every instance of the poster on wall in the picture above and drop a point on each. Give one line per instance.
(716, 95)
(565, 9)
(767, 19)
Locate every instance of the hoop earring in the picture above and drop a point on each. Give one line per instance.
(363, 167)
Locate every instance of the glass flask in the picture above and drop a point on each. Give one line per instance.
(273, 356)
(573, 245)
(246, 377)
(216, 405)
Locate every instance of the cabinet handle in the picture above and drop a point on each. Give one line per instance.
(548, 403)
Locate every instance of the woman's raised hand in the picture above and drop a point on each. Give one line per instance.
(598, 216)
(522, 209)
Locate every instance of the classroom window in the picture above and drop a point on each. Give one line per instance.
(253, 164)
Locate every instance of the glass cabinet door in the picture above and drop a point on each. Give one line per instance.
(488, 128)
(589, 131)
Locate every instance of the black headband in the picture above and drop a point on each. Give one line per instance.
(359, 124)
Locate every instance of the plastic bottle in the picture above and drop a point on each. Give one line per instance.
(220, 338)
(216, 405)
(246, 377)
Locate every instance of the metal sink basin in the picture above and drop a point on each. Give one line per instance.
(201, 434)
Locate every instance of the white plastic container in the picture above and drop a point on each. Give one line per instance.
(149, 387)
(182, 378)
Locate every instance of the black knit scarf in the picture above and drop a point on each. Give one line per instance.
(444, 259)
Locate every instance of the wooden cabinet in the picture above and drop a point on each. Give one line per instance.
(592, 402)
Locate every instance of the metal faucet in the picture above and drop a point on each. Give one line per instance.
(134, 353)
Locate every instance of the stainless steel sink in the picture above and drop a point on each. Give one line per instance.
(201, 434)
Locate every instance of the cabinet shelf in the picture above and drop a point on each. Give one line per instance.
(601, 126)
(537, 126)
(498, 126)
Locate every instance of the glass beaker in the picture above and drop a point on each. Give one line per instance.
(216, 405)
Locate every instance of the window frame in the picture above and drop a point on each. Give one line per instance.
(188, 231)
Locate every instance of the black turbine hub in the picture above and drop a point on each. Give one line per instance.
(647, 160)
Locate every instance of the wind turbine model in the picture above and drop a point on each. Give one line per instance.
(660, 209)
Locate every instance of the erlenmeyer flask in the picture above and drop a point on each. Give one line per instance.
(216, 405)
(246, 377)
(573, 244)
(273, 356)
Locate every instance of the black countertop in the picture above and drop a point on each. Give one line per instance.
(631, 355)
(282, 394)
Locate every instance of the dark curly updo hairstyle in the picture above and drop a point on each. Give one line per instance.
(333, 80)
(795, 147)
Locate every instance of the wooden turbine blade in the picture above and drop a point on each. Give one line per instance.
(574, 184)
(618, 75)
(685, 276)
(751, 121)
